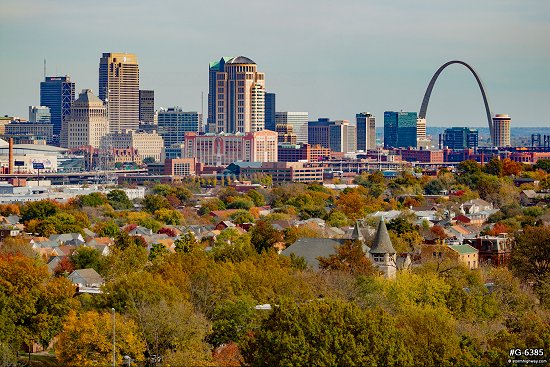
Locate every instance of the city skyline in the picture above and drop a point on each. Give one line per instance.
(331, 60)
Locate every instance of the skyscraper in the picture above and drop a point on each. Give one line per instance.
(214, 68)
(87, 123)
(57, 93)
(40, 114)
(366, 131)
(270, 112)
(298, 121)
(501, 130)
(459, 138)
(119, 89)
(173, 123)
(400, 129)
(239, 102)
(147, 106)
(337, 135)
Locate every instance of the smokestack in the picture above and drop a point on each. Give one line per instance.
(10, 165)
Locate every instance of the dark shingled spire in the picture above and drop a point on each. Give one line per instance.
(382, 243)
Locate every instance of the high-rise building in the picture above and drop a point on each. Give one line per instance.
(173, 123)
(298, 121)
(147, 145)
(87, 123)
(337, 135)
(40, 114)
(147, 106)
(420, 129)
(459, 138)
(501, 130)
(214, 68)
(285, 134)
(400, 129)
(119, 89)
(57, 93)
(270, 119)
(28, 131)
(223, 149)
(366, 131)
(239, 101)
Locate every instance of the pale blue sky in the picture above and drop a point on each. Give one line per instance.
(330, 58)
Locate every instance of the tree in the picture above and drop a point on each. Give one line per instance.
(264, 236)
(35, 302)
(242, 216)
(38, 210)
(337, 218)
(241, 203)
(152, 203)
(186, 243)
(509, 167)
(470, 167)
(256, 197)
(169, 216)
(175, 332)
(85, 257)
(94, 200)
(434, 187)
(350, 258)
(158, 251)
(107, 229)
(326, 333)
(119, 200)
(494, 167)
(543, 164)
(231, 321)
(531, 256)
(9, 209)
(86, 340)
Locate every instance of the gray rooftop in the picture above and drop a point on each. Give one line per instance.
(313, 248)
(382, 242)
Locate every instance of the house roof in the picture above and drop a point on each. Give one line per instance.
(463, 249)
(89, 275)
(313, 248)
(382, 242)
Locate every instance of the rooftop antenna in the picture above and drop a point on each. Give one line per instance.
(44, 68)
(202, 112)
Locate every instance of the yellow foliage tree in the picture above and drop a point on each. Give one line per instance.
(87, 340)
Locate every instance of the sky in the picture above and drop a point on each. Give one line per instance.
(330, 58)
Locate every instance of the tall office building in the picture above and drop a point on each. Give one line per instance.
(501, 130)
(366, 131)
(57, 93)
(214, 68)
(400, 129)
(298, 121)
(87, 123)
(40, 114)
(270, 119)
(147, 106)
(119, 89)
(173, 123)
(338, 136)
(239, 101)
(459, 138)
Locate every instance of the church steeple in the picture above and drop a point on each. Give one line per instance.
(382, 242)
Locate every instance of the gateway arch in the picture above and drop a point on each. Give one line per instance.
(428, 93)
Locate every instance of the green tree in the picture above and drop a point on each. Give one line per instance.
(38, 210)
(494, 167)
(169, 216)
(531, 257)
(85, 257)
(543, 164)
(242, 216)
(152, 203)
(241, 203)
(257, 198)
(434, 187)
(337, 218)
(119, 200)
(186, 243)
(94, 200)
(158, 251)
(231, 321)
(326, 333)
(107, 229)
(264, 236)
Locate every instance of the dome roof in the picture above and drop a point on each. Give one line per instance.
(87, 97)
(240, 60)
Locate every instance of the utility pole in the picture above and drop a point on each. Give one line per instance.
(114, 331)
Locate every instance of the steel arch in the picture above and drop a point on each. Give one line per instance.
(428, 93)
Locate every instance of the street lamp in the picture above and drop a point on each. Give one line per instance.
(114, 331)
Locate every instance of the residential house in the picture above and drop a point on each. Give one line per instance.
(493, 250)
(464, 254)
(531, 197)
(86, 278)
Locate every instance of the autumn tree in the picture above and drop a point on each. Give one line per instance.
(38, 210)
(349, 257)
(531, 256)
(509, 167)
(186, 243)
(494, 167)
(264, 236)
(87, 340)
(85, 257)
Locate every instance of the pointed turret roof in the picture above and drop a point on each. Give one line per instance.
(382, 242)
